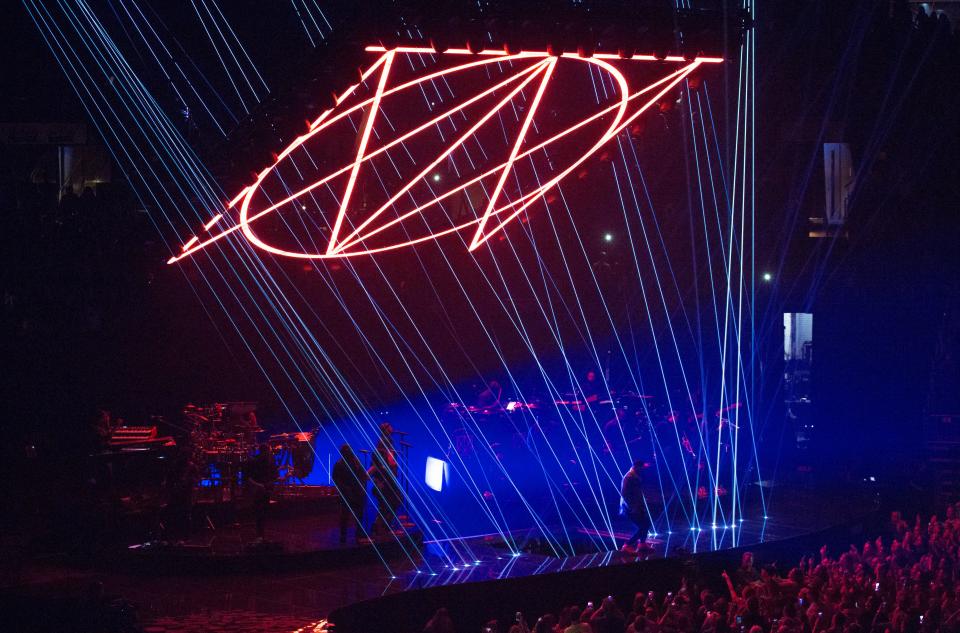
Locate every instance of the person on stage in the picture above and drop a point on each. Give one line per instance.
(489, 398)
(386, 487)
(351, 479)
(103, 427)
(632, 504)
(259, 475)
(591, 389)
(181, 480)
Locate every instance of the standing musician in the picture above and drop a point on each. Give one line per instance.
(259, 474)
(350, 478)
(632, 504)
(180, 483)
(386, 487)
(102, 428)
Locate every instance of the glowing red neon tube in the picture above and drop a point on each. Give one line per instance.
(544, 66)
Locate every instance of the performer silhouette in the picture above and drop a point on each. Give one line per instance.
(632, 504)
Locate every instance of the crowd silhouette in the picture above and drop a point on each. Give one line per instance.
(906, 582)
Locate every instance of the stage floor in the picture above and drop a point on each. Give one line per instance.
(267, 600)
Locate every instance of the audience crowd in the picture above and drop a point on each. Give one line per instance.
(907, 583)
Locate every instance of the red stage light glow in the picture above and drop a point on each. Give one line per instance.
(535, 69)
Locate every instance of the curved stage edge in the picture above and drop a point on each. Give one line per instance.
(362, 590)
(472, 603)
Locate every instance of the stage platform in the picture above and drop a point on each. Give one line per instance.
(303, 573)
(290, 543)
(302, 533)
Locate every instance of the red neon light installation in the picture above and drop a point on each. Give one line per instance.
(479, 238)
(361, 150)
(463, 137)
(536, 71)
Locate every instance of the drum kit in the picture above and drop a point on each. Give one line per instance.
(294, 455)
(225, 432)
(225, 436)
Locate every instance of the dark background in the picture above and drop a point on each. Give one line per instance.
(92, 317)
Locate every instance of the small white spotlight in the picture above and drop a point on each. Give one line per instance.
(608, 237)
(767, 277)
(436, 178)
